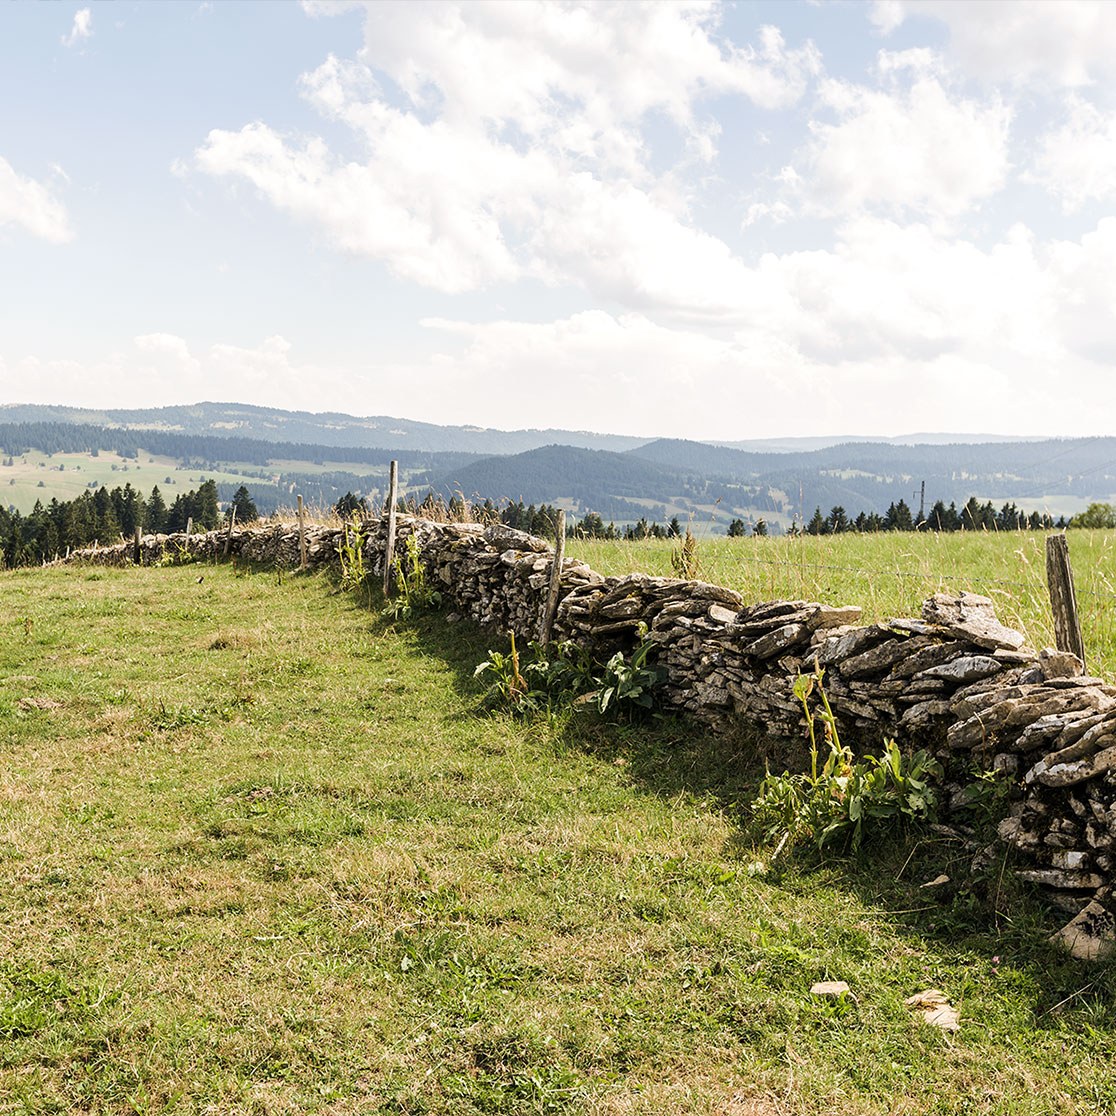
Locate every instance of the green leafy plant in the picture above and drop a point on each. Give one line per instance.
(561, 674)
(508, 686)
(413, 593)
(174, 554)
(842, 798)
(628, 686)
(355, 573)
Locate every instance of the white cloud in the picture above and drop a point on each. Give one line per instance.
(545, 173)
(81, 29)
(913, 145)
(1076, 162)
(169, 345)
(27, 203)
(892, 329)
(160, 369)
(1069, 43)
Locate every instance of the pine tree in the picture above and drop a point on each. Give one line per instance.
(243, 506)
(156, 512)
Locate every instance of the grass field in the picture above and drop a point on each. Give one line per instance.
(260, 853)
(40, 476)
(890, 575)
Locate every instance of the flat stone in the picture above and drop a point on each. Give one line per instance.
(971, 617)
(920, 715)
(1076, 771)
(721, 615)
(879, 659)
(967, 668)
(834, 988)
(839, 648)
(1060, 879)
(776, 642)
(924, 658)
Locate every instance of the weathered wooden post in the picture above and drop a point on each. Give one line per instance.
(301, 535)
(136, 546)
(1063, 598)
(555, 579)
(389, 546)
(232, 523)
(189, 525)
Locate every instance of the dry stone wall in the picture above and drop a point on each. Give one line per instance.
(953, 679)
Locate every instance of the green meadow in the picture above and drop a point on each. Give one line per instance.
(261, 852)
(890, 574)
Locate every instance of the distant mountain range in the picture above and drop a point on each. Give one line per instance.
(620, 478)
(327, 429)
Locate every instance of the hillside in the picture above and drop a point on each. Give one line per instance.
(617, 486)
(330, 429)
(1059, 476)
(280, 454)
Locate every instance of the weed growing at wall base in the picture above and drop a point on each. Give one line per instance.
(413, 593)
(561, 675)
(845, 799)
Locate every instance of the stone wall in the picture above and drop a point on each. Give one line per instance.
(954, 679)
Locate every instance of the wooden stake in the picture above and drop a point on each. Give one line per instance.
(1063, 598)
(555, 579)
(189, 524)
(232, 523)
(301, 535)
(136, 546)
(389, 548)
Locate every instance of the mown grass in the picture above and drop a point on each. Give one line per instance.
(890, 575)
(260, 853)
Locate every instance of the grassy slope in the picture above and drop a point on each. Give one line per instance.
(19, 482)
(891, 575)
(259, 854)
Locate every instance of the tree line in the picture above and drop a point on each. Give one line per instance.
(973, 516)
(104, 517)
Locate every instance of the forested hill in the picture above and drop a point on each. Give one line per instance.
(334, 429)
(64, 437)
(869, 475)
(593, 480)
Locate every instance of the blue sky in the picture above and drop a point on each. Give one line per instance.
(695, 219)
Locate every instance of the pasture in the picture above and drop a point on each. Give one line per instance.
(891, 574)
(260, 852)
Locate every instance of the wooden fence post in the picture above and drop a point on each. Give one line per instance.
(1063, 598)
(232, 523)
(136, 546)
(189, 524)
(301, 535)
(555, 579)
(389, 546)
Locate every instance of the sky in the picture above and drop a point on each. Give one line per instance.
(690, 219)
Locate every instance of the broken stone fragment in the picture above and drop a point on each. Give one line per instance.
(1090, 935)
(833, 988)
(1060, 664)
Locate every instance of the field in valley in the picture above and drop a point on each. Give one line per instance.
(260, 852)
